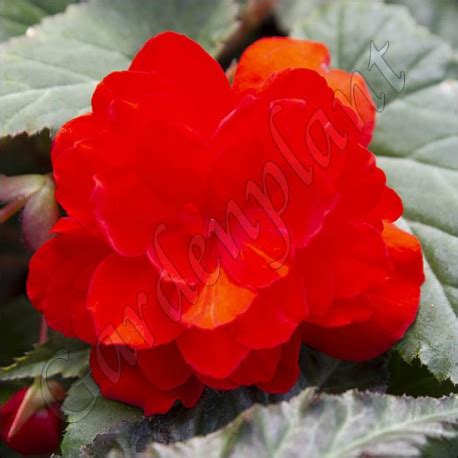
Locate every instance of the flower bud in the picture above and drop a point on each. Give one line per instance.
(35, 195)
(38, 434)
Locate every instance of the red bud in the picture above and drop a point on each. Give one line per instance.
(38, 434)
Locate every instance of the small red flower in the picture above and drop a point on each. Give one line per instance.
(39, 435)
(212, 228)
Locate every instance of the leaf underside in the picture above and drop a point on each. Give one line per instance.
(319, 425)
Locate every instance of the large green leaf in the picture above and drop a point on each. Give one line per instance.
(414, 379)
(353, 424)
(288, 11)
(87, 413)
(441, 448)
(48, 76)
(17, 16)
(440, 16)
(58, 356)
(216, 409)
(423, 57)
(416, 140)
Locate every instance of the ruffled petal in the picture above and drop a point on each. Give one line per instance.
(185, 63)
(212, 353)
(280, 173)
(115, 373)
(389, 208)
(127, 309)
(218, 303)
(259, 366)
(274, 316)
(180, 252)
(170, 178)
(164, 367)
(345, 261)
(393, 304)
(59, 276)
(130, 100)
(122, 379)
(79, 149)
(361, 263)
(288, 369)
(269, 55)
(351, 89)
(361, 184)
(404, 252)
(128, 215)
(258, 252)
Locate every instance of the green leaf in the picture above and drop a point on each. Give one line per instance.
(352, 424)
(441, 448)
(87, 413)
(440, 16)
(424, 58)
(25, 154)
(16, 16)
(217, 409)
(287, 11)
(58, 356)
(414, 379)
(416, 139)
(336, 376)
(49, 76)
(434, 335)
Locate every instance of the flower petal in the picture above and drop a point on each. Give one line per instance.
(274, 159)
(272, 55)
(394, 305)
(218, 303)
(259, 366)
(186, 64)
(274, 315)
(121, 379)
(211, 353)
(123, 300)
(130, 100)
(258, 253)
(351, 89)
(78, 150)
(164, 367)
(288, 370)
(129, 214)
(59, 276)
(171, 176)
(269, 55)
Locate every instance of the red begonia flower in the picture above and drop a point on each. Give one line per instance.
(212, 228)
(40, 433)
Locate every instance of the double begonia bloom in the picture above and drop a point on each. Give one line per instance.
(212, 228)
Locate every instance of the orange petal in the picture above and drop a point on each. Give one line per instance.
(351, 89)
(405, 251)
(218, 304)
(270, 55)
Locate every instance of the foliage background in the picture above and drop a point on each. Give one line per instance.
(53, 53)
